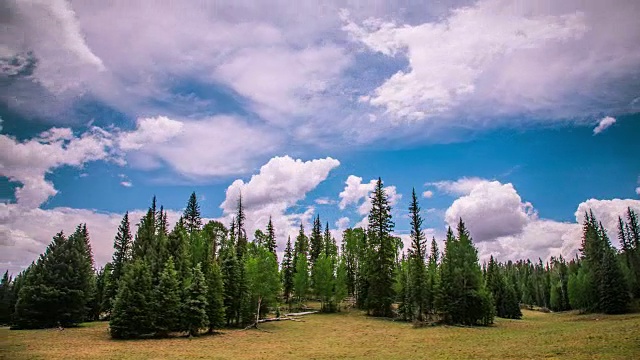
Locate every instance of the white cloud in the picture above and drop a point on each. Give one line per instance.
(504, 225)
(325, 201)
(357, 193)
(462, 186)
(342, 223)
(215, 146)
(275, 191)
(126, 183)
(638, 190)
(483, 62)
(428, 194)
(491, 210)
(604, 124)
(29, 161)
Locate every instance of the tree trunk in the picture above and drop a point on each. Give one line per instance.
(258, 312)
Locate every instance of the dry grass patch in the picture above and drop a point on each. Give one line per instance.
(353, 335)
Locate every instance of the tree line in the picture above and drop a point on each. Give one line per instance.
(203, 277)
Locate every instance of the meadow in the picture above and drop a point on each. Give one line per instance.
(355, 336)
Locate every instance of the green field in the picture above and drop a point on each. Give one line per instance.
(353, 335)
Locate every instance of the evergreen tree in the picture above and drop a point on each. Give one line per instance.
(241, 235)
(271, 238)
(192, 219)
(315, 241)
(230, 275)
(144, 247)
(194, 312)
(613, 294)
(403, 291)
(383, 247)
(504, 295)
(432, 277)
(417, 289)
(132, 315)
(167, 301)
(330, 247)
(301, 248)
(5, 298)
(287, 272)
(215, 298)
(122, 245)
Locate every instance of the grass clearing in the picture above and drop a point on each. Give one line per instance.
(352, 335)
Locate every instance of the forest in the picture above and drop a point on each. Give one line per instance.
(196, 278)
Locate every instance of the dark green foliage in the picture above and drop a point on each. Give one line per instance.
(167, 301)
(613, 293)
(192, 219)
(231, 278)
(133, 310)
(503, 292)
(417, 288)
(122, 245)
(144, 247)
(432, 277)
(380, 293)
(316, 243)
(271, 238)
(287, 272)
(462, 297)
(59, 286)
(194, 312)
(6, 294)
(215, 298)
(402, 287)
(330, 247)
(241, 234)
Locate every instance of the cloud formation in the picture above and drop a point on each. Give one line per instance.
(604, 124)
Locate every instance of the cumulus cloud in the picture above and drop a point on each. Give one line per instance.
(275, 192)
(28, 162)
(342, 223)
(357, 193)
(604, 124)
(216, 146)
(504, 225)
(428, 194)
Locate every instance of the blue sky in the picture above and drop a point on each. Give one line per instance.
(516, 117)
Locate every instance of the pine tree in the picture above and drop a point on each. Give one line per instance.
(241, 235)
(167, 301)
(194, 312)
(287, 272)
(315, 241)
(417, 288)
(432, 277)
(383, 247)
(230, 276)
(330, 247)
(191, 215)
(5, 298)
(215, 298)
(121, 256)
(271, 238)
(301, 248)
(613, 293)
(144, 247)
(132, 315)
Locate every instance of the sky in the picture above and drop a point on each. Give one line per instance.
(516, 116)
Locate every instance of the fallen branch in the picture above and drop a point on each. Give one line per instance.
(301, 313)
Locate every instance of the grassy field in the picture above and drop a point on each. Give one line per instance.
(353, 335)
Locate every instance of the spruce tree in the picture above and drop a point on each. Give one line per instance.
(301, 248)
(383, 247)
(5, 298)
(432, 277)
(287, 272)
(241, 235)
(194, 311)
(192, 219)
(167, 301)
(132, 315)
(271, 238)
(315, 241)
(230, 275)
(330, 247)
(122, 245)
(613, 293)
(215, 298)
(417, 287)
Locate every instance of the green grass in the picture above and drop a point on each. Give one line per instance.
(353, 335)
